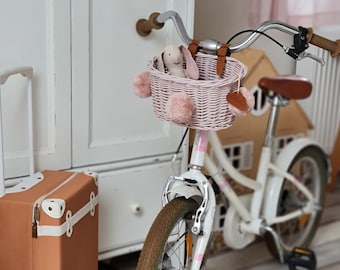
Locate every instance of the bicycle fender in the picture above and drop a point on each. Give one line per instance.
(181, 190)
(283, 161)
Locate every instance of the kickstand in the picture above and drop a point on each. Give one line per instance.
(279, 247)
(298, 259)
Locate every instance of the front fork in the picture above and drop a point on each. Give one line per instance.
(194, 185)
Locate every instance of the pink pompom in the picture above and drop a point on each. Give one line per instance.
(250, 102)
(141, 85)
(180, 108)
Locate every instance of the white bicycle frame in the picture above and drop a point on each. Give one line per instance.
(257, 214)
(264, 200)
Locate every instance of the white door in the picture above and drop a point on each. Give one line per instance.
(110, 123)
(37, 33)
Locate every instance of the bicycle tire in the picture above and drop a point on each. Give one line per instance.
(154, 254)
(310, 164)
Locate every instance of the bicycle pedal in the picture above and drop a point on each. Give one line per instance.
(301, 258)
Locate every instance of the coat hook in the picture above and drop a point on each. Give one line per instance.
(144, 27)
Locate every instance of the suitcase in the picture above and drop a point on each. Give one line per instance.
(49, 220)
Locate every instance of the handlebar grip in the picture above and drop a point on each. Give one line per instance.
(332, 46)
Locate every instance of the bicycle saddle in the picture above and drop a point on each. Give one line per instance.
(288, 86)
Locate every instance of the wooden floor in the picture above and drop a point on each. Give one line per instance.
(326, 246)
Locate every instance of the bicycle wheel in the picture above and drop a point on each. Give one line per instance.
(310, 168)
(170, 243)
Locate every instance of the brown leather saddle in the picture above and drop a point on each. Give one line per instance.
(288, 86)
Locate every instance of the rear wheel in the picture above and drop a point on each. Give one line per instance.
(170, 243)
(309, 168)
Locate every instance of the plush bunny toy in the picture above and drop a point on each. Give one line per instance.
(171, 61)
(180, 106)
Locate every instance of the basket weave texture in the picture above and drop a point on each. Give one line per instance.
(208, 93)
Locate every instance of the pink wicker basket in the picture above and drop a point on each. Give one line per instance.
(208, 93)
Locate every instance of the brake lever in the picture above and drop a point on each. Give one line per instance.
(297, 51)
(312, 56)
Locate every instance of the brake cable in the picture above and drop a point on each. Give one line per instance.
(255, 31)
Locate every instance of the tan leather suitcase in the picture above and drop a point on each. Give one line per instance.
(51, 226)
(48, 220)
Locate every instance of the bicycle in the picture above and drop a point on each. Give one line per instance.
(288, 194)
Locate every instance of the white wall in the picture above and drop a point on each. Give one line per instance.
(220, 19)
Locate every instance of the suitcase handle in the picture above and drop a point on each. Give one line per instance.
(27, 72)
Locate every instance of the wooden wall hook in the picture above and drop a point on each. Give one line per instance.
(144, 26)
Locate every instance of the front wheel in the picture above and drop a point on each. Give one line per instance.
(170, 243)
(310, 168)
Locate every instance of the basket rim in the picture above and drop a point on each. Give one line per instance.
(216, 82)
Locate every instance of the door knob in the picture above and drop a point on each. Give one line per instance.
(145, 26)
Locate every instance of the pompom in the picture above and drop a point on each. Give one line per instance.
(141, 84)
(180, 108)
(250, 102)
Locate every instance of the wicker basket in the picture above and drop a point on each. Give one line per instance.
(208, 93)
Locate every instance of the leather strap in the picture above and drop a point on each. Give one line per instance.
(193, 47)
(222, 52)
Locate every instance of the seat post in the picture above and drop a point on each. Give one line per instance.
(276, 102)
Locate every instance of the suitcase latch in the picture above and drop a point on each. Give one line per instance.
(36, 218)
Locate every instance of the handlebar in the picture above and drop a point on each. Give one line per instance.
(302, 36)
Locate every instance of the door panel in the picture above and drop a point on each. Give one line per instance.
(37, 34)
(110, 122)
(129, 201)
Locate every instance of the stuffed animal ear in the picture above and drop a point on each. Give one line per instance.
(160, 62)
(191, 66)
